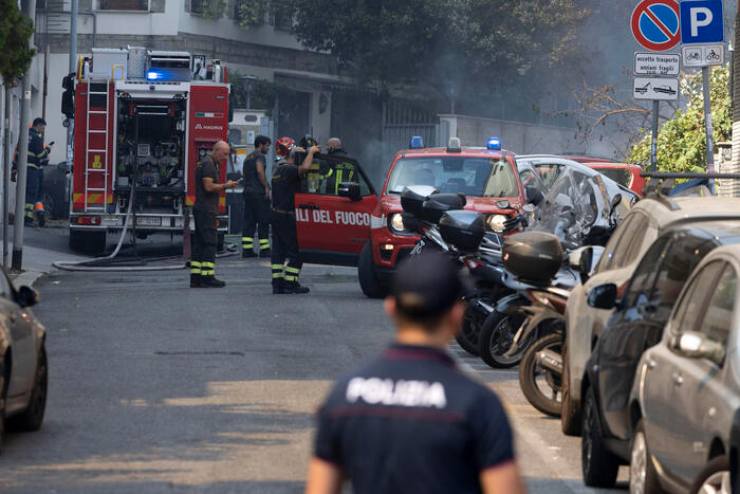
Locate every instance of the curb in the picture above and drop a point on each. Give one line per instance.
(27, 278)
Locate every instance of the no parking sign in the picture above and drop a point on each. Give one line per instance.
(656, 24)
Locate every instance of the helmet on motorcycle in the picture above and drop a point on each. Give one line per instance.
(283, 146)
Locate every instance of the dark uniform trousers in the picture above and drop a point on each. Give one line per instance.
(286, 258)
(256, 217)
(34, 180)
(204, 242)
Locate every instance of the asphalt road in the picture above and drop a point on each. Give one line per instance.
(155, 387)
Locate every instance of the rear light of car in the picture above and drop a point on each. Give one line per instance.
(87, 220)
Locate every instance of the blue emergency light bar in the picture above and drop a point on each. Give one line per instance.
(494, 144)
(417, 142)
(165, 74)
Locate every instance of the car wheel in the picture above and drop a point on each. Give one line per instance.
(469, 335)
(570, 417)
(33, 416)
(496, 339)
(643, 477)
(3, 398)
(714, 478)
(598, 465)
(371, 286)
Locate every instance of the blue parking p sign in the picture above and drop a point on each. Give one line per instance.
(702, 22)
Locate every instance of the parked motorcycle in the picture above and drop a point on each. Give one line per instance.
(581, 208)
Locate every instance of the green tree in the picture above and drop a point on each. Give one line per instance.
(15, 31)
(682, 143)
(439, 42)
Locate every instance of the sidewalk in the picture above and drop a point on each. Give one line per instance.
(37, 262)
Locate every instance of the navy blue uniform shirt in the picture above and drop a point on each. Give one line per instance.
(410, 421)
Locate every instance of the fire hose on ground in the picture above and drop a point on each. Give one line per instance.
(103, 264)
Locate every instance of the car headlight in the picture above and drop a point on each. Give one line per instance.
(396, 223)
(497, 222)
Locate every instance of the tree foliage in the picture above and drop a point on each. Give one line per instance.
(423, 40)
(682, 140)
(15, 31)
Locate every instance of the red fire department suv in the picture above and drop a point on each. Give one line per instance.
(341, 220)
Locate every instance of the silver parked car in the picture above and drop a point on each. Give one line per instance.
(584, 324)
(24, 369)
(687, 388)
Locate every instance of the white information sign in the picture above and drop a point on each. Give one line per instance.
(703, 55)
(657, 64)
(655, 88)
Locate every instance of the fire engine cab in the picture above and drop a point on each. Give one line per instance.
(142, 121)
(342, 221)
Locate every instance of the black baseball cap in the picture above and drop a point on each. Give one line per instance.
(427, 285)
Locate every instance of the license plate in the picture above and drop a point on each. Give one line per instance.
(147, 221)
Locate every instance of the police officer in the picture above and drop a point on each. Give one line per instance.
(286, 181)
(256, 200)
(38, 156)
(205, 212)
(411, 421)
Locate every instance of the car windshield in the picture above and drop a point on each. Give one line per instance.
(620, 175)
(482, 177)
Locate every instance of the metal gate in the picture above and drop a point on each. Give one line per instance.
(403, 120)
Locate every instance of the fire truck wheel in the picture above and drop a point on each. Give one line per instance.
(371, 286)
(87, 242)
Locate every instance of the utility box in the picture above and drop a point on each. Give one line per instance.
(109, 63)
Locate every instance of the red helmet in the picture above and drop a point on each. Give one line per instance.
(283, 146)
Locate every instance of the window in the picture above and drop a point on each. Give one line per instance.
(469, 176)
(136, 5)
(642, 280)
(620, 175)
(676, 265)
(690, 308)
(325, 177)
(623, 230)
(717, 321)
(548, 172)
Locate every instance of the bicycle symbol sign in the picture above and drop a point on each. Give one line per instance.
(656, 24)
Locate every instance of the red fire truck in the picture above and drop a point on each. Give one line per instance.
(143, 119)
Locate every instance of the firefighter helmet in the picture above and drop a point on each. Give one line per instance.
(283, 146)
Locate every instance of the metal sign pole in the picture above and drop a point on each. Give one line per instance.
(708, 123)
(654, 141)
(8, 148)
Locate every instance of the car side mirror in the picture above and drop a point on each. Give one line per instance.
(697, 346)
(582, 260)
(603, 296)
(534, 195)
(350, 190)
(26, 297)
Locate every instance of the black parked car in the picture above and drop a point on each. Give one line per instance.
(637, 324)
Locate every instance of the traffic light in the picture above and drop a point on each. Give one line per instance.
(68, 97)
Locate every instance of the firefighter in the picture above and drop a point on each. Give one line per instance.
(411, 420)
(342, 172)
(286, 181)
(38, 156)
(256, 200)
(205, 212)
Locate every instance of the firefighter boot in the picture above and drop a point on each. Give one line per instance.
(195, 281)
(278, 287)
(265, 248)
(211, 282)
(295, 288)
(248, 247)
